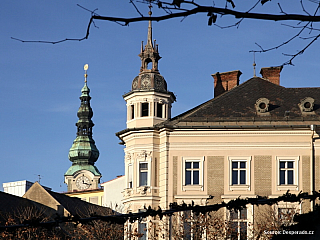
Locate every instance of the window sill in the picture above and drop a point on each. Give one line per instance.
(239, 188)
(192, 188)
(287, 187)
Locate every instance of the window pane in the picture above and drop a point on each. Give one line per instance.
(143, 230)
(242, 164)
(143, 166)
(234, 165)
(282, 177)
(282, 164)
(290, 176)
(290, 164)
(243, 230)
(188, 165)
(243, 177)
(195, 164)
(234, 177)
(188, 177)
(195, 177)
(233, 215)
(243, 214)
(143, 179)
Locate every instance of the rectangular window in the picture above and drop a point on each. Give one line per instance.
(144, 109)
(143, 174)
(132, 111)
(130, 176)
(142, 227)
(159, 110)
(238, 224)
(192, 173)
(239, 172)
(286, 172)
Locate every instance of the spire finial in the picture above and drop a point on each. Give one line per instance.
(149, 41)
(85, 67)
(254, 64)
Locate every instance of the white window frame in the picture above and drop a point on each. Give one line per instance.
(148, 160)
(240, 187)
(130, 174)
(295, 185)
(198, 187)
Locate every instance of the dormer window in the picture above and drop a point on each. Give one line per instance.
(262, 106)
(306, 105)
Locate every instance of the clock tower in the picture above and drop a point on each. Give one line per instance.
(83, 175)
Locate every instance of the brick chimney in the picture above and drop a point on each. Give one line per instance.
(272, 74)
(223, 82)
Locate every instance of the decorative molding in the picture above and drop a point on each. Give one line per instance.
(144, 154)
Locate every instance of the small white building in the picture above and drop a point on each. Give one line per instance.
(113, 193)
(18, 188)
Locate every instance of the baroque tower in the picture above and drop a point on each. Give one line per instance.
(148, 104)
(149, 101)
(83, 175)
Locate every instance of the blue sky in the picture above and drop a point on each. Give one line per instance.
(41, 83)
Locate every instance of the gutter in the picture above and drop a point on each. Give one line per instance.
(312, 166)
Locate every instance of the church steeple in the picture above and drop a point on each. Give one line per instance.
(83, 153)
(149, 53)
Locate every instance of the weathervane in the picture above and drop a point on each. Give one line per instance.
(85, 67)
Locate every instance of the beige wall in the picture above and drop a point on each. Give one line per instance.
(165, 151)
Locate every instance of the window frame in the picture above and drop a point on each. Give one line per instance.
(130, 175)
(196, 187)
(247, 185)
(147, 171)
(238, 220)
(295, 185)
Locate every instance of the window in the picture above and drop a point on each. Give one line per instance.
(192, 172)
(238, 224)
(239, 173)
(159, 110)
(132, 111)
(142, 227)
(143, 174)
(287, 211)
(287, 173)
(130, 176)
(144, 109)
(191, 230)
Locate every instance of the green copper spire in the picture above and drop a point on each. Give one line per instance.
(84, 153)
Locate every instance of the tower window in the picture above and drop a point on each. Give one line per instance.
(132, 111)
(143, 174)
(144, 109)
(159, 110)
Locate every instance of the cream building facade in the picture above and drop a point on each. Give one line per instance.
(253, 139)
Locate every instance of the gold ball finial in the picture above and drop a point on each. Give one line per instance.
(85, 67)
